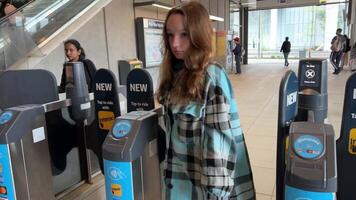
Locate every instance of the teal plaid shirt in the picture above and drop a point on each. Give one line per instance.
(206, 155)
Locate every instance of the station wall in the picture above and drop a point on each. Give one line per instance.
(109, 36)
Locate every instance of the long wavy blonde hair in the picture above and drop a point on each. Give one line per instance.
(188, 85)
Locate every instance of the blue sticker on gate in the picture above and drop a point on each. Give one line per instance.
(6, 183)
(5, 117)
(118, 180)
(299, 194)
(307, 146)
(121, 129)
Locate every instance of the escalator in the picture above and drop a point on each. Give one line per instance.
(24, 31)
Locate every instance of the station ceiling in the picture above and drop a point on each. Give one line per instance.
(275, 4)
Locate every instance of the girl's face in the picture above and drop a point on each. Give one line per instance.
(178, 37)
(72, 52)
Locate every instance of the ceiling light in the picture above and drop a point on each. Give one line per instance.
(215, 18)
(159, 4)
(154, 3)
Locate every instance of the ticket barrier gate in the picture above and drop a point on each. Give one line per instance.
(346, 144)
(131, 160)
(25, 167)
(311, 162)
(40, 87)
(312, 90)
(65, 163)
(130, 150)
(303, 100)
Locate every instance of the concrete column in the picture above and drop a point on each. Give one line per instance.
(274, 22)
(244, 32)
(353, 21)
(330, 25)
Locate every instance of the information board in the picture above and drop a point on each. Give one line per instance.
(149, 33)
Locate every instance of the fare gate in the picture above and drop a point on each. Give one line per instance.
(302, 107)
(61, 137)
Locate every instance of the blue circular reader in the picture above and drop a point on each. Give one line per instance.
(307, 146)
(121, 129)
(5, 117)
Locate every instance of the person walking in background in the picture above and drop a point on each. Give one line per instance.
(237, 52)
(75, 53)
(286, 50)
(205, 154)
(336, 51)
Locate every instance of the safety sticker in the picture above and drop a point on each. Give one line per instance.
(5, 117)
(352, 141)
(308, 146)
(291, 98)
(121, 129)
(118, 180)
(85, 106)
(7, 189)
(106, 119)
(3, 190)
(116, 190)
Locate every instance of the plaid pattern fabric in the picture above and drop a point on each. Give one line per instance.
(206, 155)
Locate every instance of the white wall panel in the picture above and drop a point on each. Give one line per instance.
(91, 36)
(120, 27)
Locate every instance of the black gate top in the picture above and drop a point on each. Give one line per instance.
(139, 90)
(346, 144)
(313, 74)
(107, 108)
(19, 87)
(107, 105)
(287, 111)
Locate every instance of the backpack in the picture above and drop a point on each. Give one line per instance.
(347, 46)
(337, 44)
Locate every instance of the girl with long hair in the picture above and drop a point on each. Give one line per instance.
(205, 153)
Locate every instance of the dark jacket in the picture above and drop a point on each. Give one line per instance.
(89, 69)
(237, 50)
(285, 47)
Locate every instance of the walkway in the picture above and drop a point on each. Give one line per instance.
(256, 91)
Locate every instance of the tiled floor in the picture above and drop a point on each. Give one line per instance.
(256, 90)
